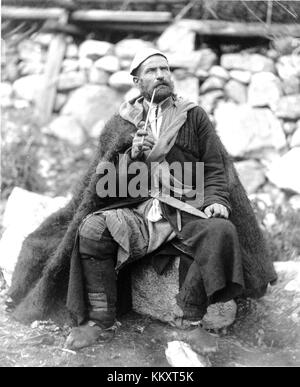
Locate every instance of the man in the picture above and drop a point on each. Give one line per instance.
(108, 238)
(221, 249)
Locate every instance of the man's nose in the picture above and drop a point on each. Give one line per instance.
(159, 74)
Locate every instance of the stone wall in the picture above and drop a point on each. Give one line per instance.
(251, 95)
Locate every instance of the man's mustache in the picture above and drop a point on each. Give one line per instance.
(162, 84)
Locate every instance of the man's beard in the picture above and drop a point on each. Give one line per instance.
(163, 90)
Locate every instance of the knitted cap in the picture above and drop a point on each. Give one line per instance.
(141, 56)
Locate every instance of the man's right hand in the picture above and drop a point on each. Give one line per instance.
(138, 147)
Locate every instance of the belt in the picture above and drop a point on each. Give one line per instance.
(179, 205)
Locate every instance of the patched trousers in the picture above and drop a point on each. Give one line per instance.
(214, 274)
(108, 240)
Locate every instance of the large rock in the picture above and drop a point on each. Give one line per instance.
(148, 288)
(109, 63)
(201, 74)
(177, 38)
(28, 87)
(31, 51)
(131, 94)
(60, 100)
(21, 104)
(212, 83)
(30, 67)
(264, 90)
(24, 212)
(180, 354)
(291, 85)
(247, 62)
(288, 107)
(72, 51)
(125, 63)
(95, 49)
(127, 48)
(236, 91)
(251, 175)
(121, 80)
(289, 274)
(208, 101)
(244, 129)
(241, 76)
(44, 39)
(155, 295)
(266, 156)
(218, 71)
(187, 87)
(98, 76)
(70, 65)
(284, 172)
(288, 66)
(85, 64)
(71, 80)
(202, 59)
(91, 103)
(67, 128)
(207, 58)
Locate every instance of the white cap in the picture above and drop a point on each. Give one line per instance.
(141, 56)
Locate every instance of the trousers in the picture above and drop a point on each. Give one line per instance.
(214, 272)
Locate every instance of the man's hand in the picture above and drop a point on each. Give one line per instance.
(216, 211)
(138, 147)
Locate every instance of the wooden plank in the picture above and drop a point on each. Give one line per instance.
(153, 28)
(96, 15)
(81, 3)
(55, 56)
(28, 13)
(236, 29)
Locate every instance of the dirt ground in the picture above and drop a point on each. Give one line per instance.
(139, 342)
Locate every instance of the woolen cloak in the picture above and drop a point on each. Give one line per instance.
(40, 281)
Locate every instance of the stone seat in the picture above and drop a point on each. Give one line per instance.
(154, 295)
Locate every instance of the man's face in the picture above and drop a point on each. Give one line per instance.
(154, 73)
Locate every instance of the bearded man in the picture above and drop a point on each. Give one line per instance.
(217, 237)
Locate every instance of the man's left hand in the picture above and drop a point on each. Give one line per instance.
(216, 211)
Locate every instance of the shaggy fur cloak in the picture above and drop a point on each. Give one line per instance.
(40, 280)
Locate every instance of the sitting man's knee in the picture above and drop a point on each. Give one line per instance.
(222, 226)
(92, 227)
(95, 239)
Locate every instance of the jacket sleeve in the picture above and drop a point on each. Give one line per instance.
(215, 183)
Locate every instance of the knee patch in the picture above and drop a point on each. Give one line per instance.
(92, 227)
(95, 239)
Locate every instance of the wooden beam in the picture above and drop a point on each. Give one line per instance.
(55, 56)
(82, 3)
(28, 13)
(96, 15)
(152, 28)
(236, 29)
